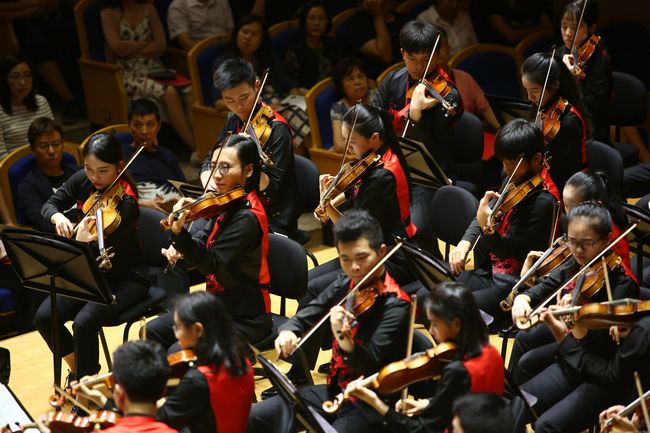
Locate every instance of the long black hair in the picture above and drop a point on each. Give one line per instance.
(595, 187)
(450, 301)
(6, 65)
(535, 68)
(371, 120)
(247, 153)
(219, 344)
(264, 54)
(573, 11)
(599, 217)
(107, 148)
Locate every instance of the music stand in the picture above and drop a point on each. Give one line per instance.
(187, 189)
(424, 168)
(56, 265)
(305, 414)
(640, 235)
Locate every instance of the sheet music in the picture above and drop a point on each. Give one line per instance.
(11, 412)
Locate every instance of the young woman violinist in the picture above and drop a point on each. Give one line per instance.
(103, 160)
(231, 248)
(593, 70)
(564, 119)
(216, 395)
(477, 366)
(589, 232)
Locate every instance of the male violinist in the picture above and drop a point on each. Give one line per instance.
(377, 337)
(501, 248)
(236, 80)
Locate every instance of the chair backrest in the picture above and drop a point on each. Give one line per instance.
(493, 67)
(387, 71)
(152, 237)
(8, 36)
(200, 60)
(288, 267)
(629, 102)
(283, 36)
(89, 29)
(632, 58)
(15, 166)
(335, 7)
(307, 174)
(454, 209)
(468, 138)
(319, 101)
(340, 24)
(536, 42)
(601, 157)
(121, 131)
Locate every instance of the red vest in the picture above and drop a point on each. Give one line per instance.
(486, 371)
(392, 164)
(230, 397)
(622, 249)
(584, 136)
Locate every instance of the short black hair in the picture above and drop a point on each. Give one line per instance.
(232, 72)
(144, 106)
(141, 368)
(306, 7)
(600, 220)
(357, 224)
(483, 413)
(519, 138)
(40, 126)
(418, 36)
(344, 67)
(574, 10)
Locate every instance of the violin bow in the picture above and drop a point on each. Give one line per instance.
(627, 410)
(591, 262)
(574, 49)
(112, 184)
(610, 298)
(70, 398)
(409, 344)
(504, 190)
(267, 161)
(538, 116)
(424, 77)
(639, 390)
(557, 211)
(361, 282)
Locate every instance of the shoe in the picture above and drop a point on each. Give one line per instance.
(71, 377)
(296, 378)
(324, 368)
(195, 159)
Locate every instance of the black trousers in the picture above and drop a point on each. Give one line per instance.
(636, 180)
(532, 352)
(254, 329)
(567, 405)
(26, 301)
(275, 415)
(87, 319)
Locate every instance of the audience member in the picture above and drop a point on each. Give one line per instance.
(447, 15)
(373, 35)
(19, 101)
(310, 59)
(135, 37)
(156, 164)
(189, 21)
(351, 80)
(46, 143)
(513, 20)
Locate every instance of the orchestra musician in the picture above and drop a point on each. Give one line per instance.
(499, 252)
(561, 115)
(378, 335)
(102, 160)
(231, 249)
(236, 80)
(477, 366)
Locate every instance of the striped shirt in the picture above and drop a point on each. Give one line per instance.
(13, 127)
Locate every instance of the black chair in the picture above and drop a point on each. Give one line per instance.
(601, 157)
(468, 139)
(287, 262)
(307, 175)
(454, 208)
(629, 107)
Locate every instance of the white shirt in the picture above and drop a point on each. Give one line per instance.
(13, 127)
(460, 33)
(200, 20)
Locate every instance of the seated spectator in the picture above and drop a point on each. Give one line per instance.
(19, 101)
(189, 21)
(251, 41)
(45, 32)
(136, 39)
(447, 15)
(351, 80)
(46, 143)
(513, 20)
(373, 35)
(156, 164)
(311, 58)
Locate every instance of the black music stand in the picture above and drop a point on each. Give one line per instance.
(425, 170)
(59, 266)
(186, 189)
(305, 414)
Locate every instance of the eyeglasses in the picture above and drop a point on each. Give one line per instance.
(45, 146)
(583, 243)
(223, 168)
(16, 77)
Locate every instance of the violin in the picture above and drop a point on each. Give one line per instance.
(347, 177)
(438, 88)
(206, 206)
(180, 362)
(362, 300)
(549, 121)
(583, 54)
(510, 197)
(400, 374)
(259, 128)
